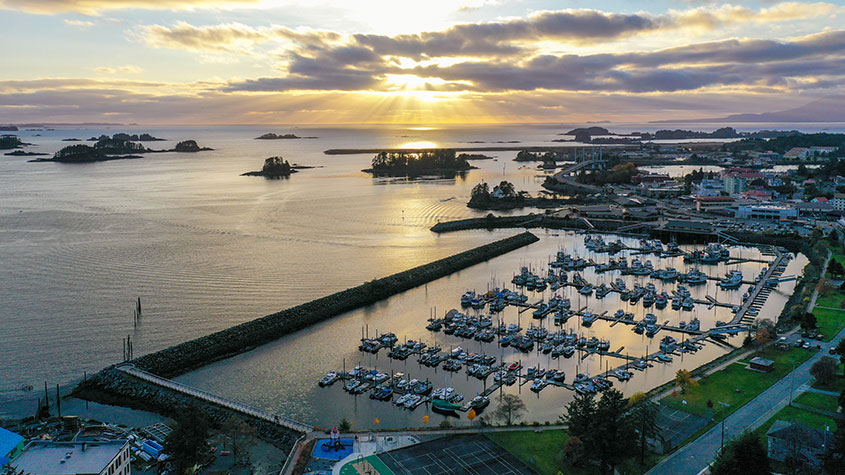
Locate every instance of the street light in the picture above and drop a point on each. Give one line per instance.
(723, 404)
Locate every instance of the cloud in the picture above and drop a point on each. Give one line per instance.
(79, 23)
(229, 37)
(730, 63)
(129, 69)
(94, 7)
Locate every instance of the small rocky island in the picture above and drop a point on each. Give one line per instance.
(82, 153)
(274, 168)
(272, 136)
(189, 146)
(440, 162)
(21, 153)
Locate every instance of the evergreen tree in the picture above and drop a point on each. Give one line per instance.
(744, 455)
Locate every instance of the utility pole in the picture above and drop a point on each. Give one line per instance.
(723, 404)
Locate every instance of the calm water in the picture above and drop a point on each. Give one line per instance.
(206, 248)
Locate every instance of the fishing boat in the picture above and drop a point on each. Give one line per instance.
(588, 318)
(586, 289)
(440, 405)
(479, 402)
(568, 351)
(664, 358)
(694, 324)
(661, 300)
(537, 385)
(733, 280)
(639, 328)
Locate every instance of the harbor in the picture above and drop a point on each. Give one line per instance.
(553, 318)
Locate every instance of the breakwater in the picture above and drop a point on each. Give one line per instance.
(527, 221)
(201, 351)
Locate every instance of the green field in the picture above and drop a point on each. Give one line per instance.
(837, 386)
(819, 401)
(542, 452)
(735, 384)
(829, 322)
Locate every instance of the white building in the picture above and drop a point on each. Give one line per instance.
(838, 202)
(766, 212)
(735, 185)
(73, 458)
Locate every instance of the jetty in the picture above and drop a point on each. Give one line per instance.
(207, 397)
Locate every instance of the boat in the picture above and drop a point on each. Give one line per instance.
(538, 385)
(479, 402)
(351, 385)
(412, 401)
(329, 378)
(602, 291)
(688, 304)
(467, 298)
(650, 318)
(694, 324)
(733, 280)
(514, 366)
(661, 300)
(568, 351)
(588, 318)
(559, 376)
(639, 328)
(440, 405)
(586, 289)
(664, 358)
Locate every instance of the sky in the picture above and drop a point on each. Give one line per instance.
(167, 62)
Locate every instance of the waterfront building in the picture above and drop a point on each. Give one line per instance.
(73, 458)
(767, 212)
(11, 445)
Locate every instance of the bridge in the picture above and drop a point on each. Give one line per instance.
(205, 396)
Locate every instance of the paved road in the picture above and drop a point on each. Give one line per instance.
(697, 455)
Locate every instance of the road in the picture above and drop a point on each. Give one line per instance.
(697, 455)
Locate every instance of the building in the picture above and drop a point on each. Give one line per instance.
(798, 441)
(708, 187)
(709, 203)
(11, 445)
(762, 364)
(838, 202)
(766, 212)
(74, 458)
(757, 195)
(735, 184)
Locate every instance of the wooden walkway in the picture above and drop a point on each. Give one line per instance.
(195, 393)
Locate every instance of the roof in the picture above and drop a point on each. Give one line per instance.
(761, 361)
(808, 436)
(67, 458)
(8, 441)
(714, 198)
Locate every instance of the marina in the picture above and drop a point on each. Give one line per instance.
(540, 326)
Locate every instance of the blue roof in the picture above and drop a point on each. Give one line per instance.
(8, 441)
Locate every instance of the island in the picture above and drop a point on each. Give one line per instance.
(441, 162)
(274, 168)
(21, 153)
(10, 141)
(8, 128)
(189, 146)
(82, 153)
(134, 137)
(272, 136)
(475, 156)
(504, 196)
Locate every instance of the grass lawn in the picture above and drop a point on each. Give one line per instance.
(833, 299)
(829, 321)
(723, 385)
(541, 451)
(819, 401)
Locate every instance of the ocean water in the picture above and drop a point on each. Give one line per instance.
(206, 248)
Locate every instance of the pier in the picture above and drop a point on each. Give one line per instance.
(195, 393)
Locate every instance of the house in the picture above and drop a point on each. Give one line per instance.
(44, 457)
(799, 441)
(757, 195)
(11, 445)
(762, 364)
(796, 152)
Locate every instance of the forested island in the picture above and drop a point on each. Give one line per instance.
(133, 137)
(110, 148)
(504, 196)
(274, 168)
(783, 143)
(443, 162)
(21, 153)
(272, 136)
(10, 141)
(586, 134)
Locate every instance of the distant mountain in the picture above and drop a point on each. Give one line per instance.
(829, 109)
